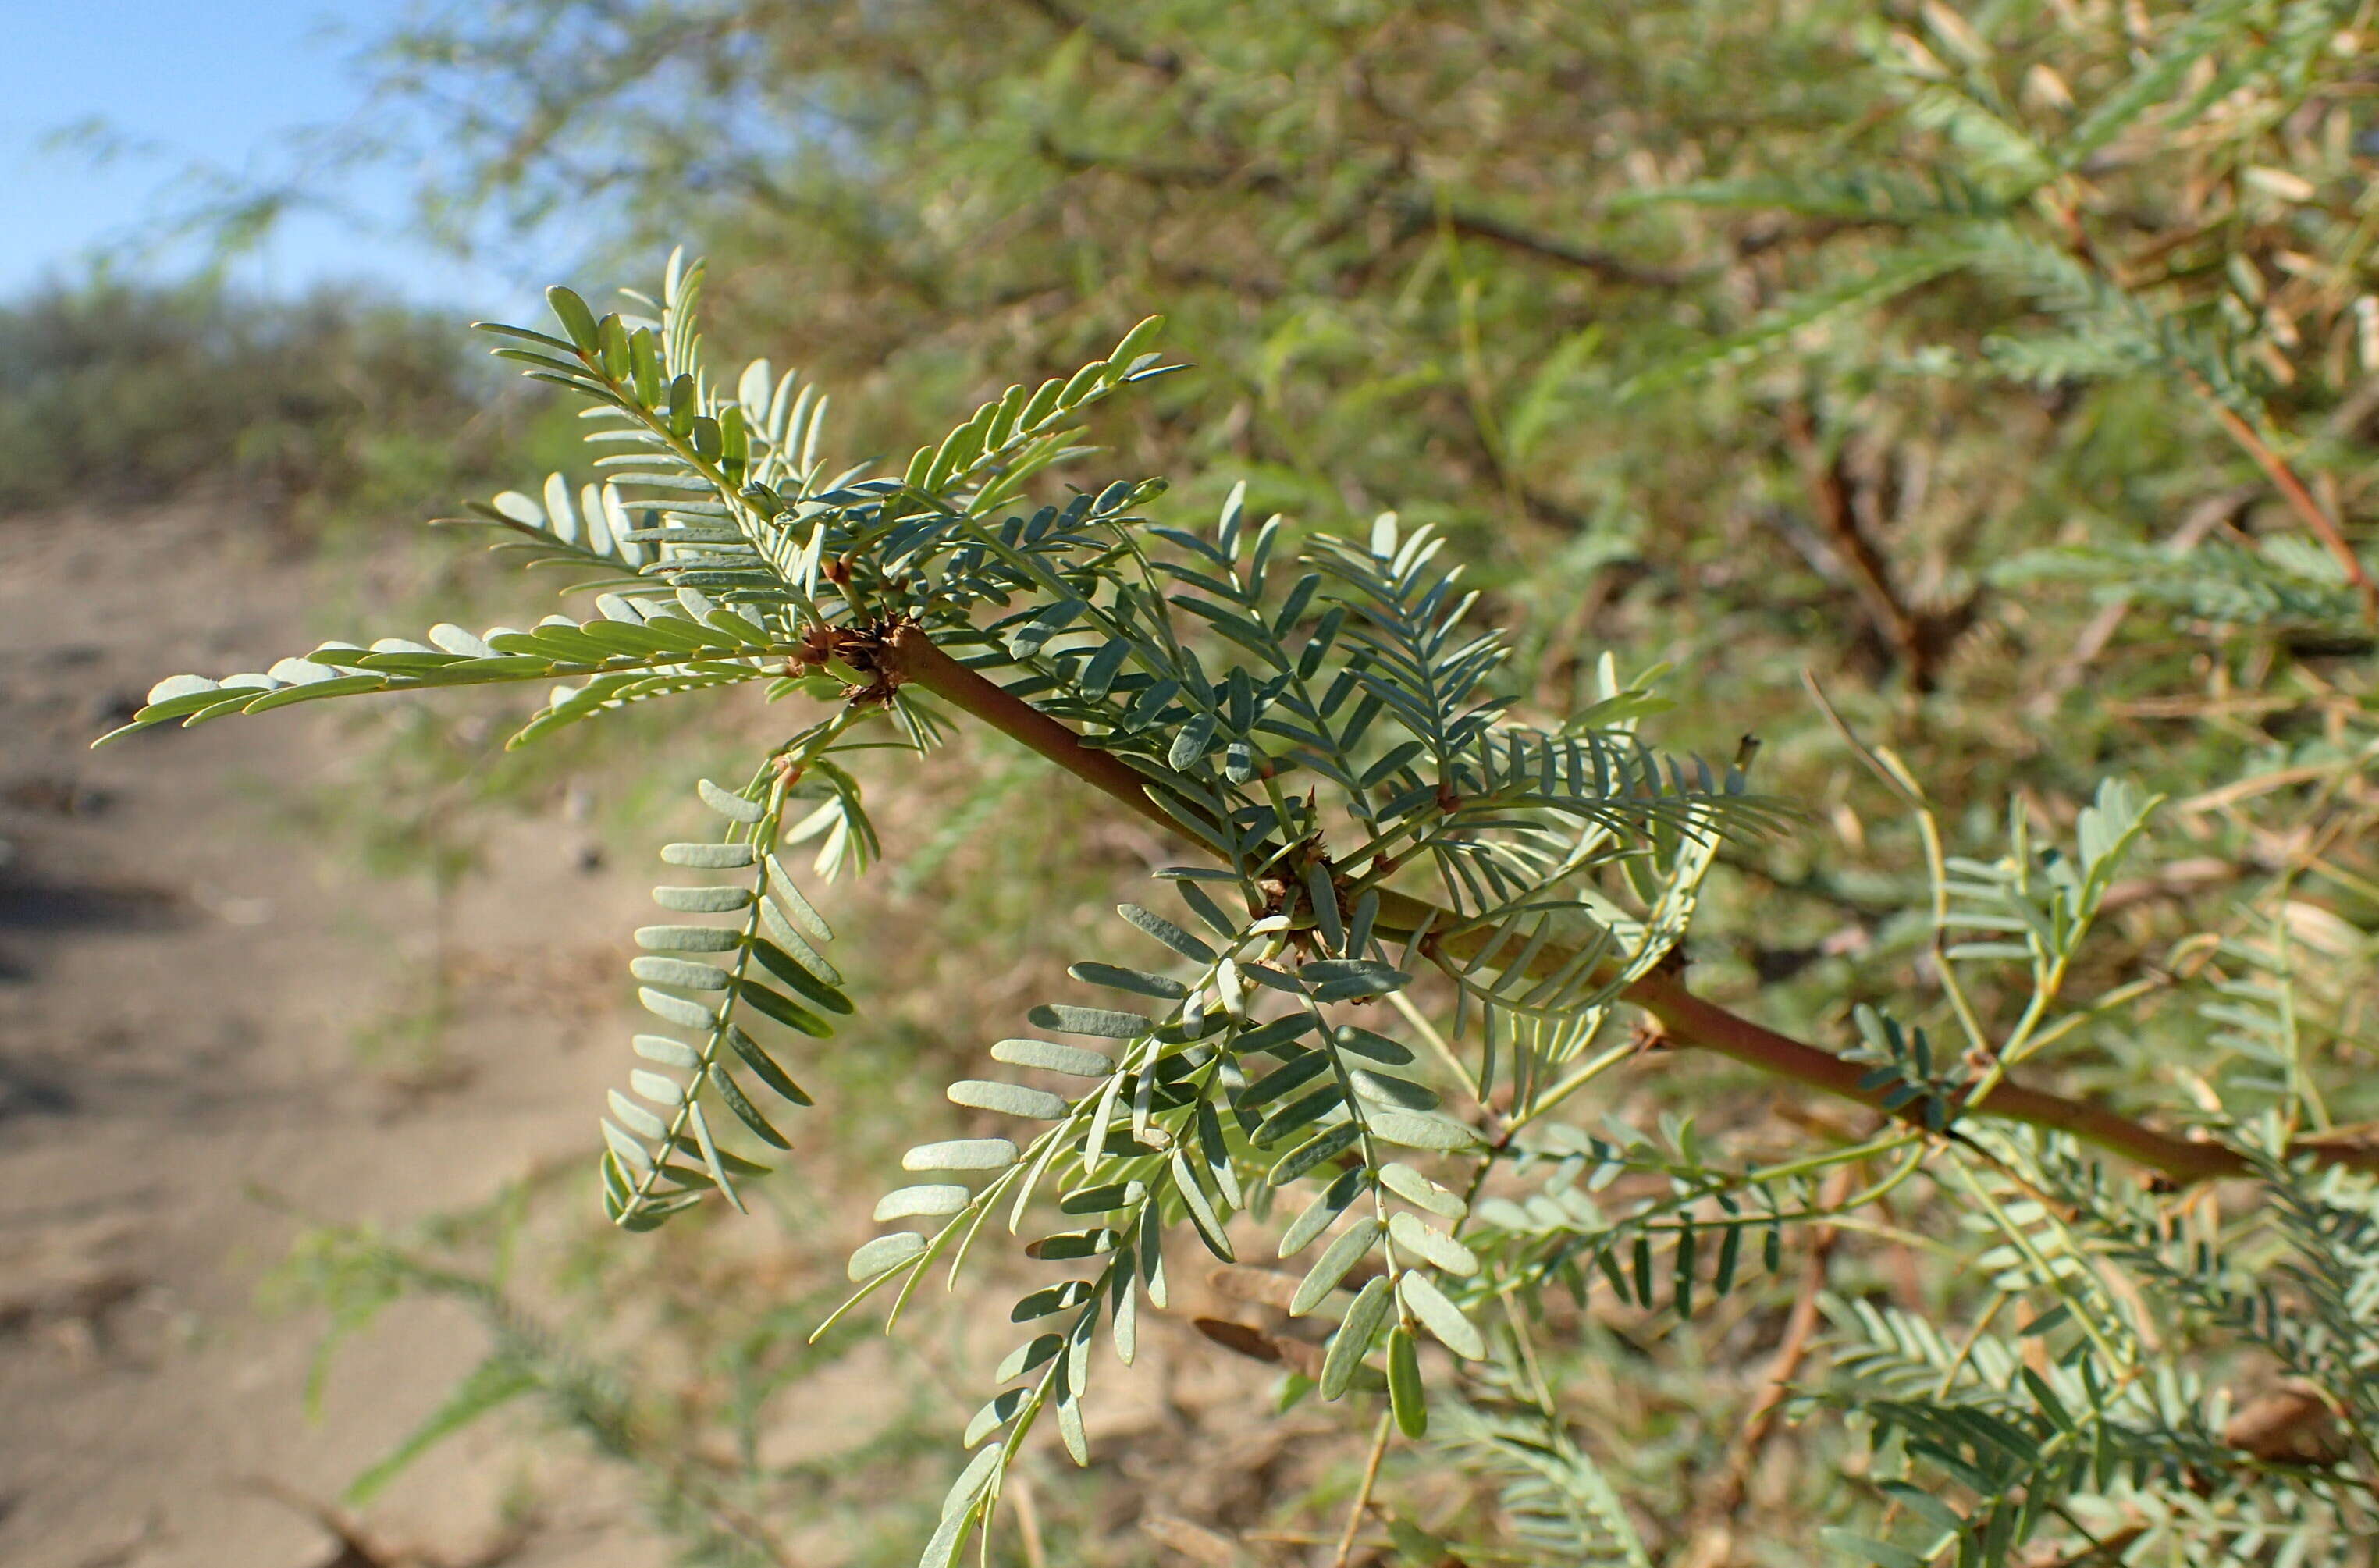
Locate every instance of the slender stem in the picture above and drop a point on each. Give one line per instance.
(1370, 1154)
(2238, 425)
(1686, 1021)
(916, 659)
(2292, 490)
(1973, 1336)
(2122, 996)
(1887, 765)
(1611, 1057)
(1362, 1494)
(1028, 1521)
(1437, 1043)
(2021, 1239)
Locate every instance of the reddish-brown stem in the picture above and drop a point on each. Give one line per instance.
(1686, 1020)
(2240, 429)
(2299, 498)
(917, 660)
(1917, 639)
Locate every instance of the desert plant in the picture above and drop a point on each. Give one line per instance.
(310, 410)
(1411, 924)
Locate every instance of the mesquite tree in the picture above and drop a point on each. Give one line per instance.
(1339, 1050)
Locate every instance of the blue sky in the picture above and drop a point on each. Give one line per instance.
(222, 83)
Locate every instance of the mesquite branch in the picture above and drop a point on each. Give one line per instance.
(1686, 1021)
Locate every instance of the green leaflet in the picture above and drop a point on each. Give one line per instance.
(1064, 1246)
(1440, 1316)
(1413, 1130)
(1032, 1353)
(1138, 981)
(764, 1066)
(1404, 1396)
(1324, 1210)
(794, 940)
(634, 1116)
(1325, 904)
(575, 318)
(915, 1202)
(797, 973)
(1008, 1098)
(786, 892)
(1299, 1113)
(626, 1148)
(687, 939)
(1054, 1299)
(796, 1019)
(1431, 1244)
(1271, 1037)
(1298, 1072)
(1123, 1323)
(882, 1254)
(1203, 1217)
(1196, 898)
(1355, 1336)
(745, 1112)
(676, 1009)
(702, 900)
(709, 857)
(1001, 1409)
(667, 1049)
(681, 973)
(555, 651)
(972, 1481)
(1070, 1430)
(1306, 1156)
(1381, 1089)
(1151, 1256)
(1101, 1022)
(1165, 931)
(949, 1536)
(1338, 980)
(1072, 1060)
(662, 1091)
(1416, 1188)
(1377, 1048)
(1351, 1246)
(961, 1155)
(734, 807)
(1103, 1199)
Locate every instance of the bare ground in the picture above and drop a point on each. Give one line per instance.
(185, 972)
(188, 970)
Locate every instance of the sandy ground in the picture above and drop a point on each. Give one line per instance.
(187, 971)
(183, 979)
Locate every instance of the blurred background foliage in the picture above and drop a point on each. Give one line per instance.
(335, 406)
(1684, 317)
(1944, 353)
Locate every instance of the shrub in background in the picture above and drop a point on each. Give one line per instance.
(331, 405)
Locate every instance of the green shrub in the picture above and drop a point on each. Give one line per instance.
(116, 391)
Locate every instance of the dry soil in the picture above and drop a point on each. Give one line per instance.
(185, 970)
